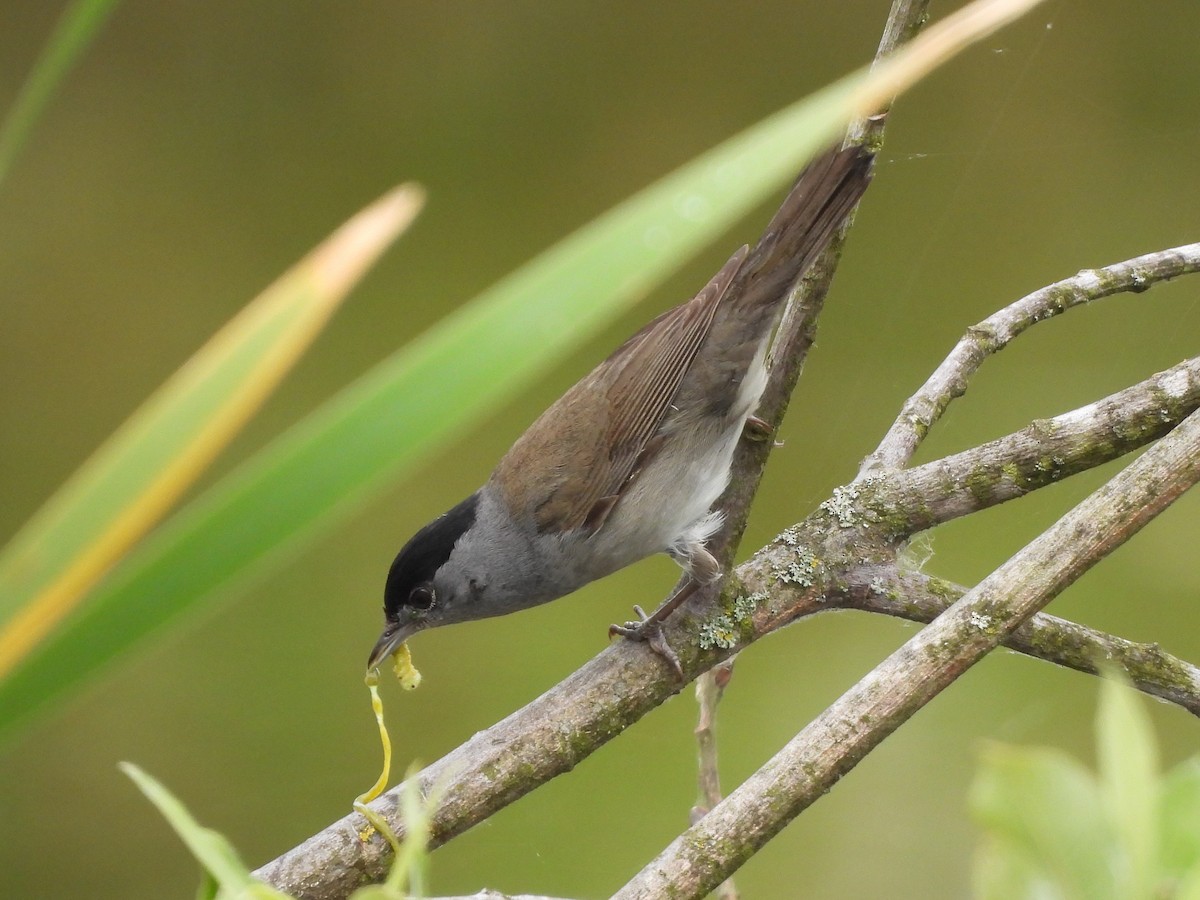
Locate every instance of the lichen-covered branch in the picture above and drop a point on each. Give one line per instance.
(995, 332)
(1044, 452)
(893, 590)
(833, 743)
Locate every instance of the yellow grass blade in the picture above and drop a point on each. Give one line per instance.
(134, 478)
(933, 47)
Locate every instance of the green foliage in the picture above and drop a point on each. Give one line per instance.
(226, 877)
(1055, 831)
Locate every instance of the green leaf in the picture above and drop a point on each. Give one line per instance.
(78, 24)
(1180, 818)
(137, 475)
(209, 847)
(1045, 810)
(395, 416)
(1128, 762)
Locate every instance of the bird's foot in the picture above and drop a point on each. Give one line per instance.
(648, 629)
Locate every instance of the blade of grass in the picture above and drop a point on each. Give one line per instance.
(210, 848)
(378, 428)
(76, 27)
(135, 477)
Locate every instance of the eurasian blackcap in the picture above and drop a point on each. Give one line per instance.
(630, 461)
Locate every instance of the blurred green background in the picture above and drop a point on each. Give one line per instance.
(200, 148)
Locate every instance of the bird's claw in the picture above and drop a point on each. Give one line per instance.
(647, 630)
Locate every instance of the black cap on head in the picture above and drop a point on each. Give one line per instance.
(422, 556)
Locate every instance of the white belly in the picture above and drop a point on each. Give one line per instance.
(672, 497)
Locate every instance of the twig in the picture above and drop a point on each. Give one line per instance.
(709, 689)
(798, 324)
(834, 742)
(995, 332)
(794, 338)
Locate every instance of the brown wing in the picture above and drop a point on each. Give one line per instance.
(569, 469)
(649, 372)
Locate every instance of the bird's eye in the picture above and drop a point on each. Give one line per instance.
(422, 596)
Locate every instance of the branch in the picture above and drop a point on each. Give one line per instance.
(995, 332)
(1044, 452)
(922, 598)
(833, 743)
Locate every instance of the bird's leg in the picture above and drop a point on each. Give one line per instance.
(700, 568)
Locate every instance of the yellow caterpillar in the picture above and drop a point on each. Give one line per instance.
(409, 678)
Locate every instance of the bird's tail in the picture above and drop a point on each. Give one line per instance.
(820, 200)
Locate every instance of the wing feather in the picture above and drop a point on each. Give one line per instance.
(590, 443)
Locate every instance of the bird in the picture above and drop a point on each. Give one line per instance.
(630, 461)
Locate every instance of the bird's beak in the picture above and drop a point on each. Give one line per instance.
(393, 636)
